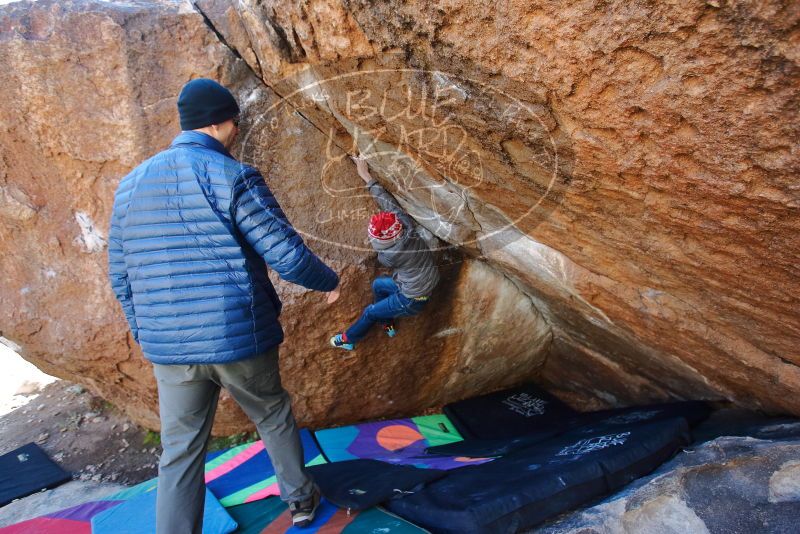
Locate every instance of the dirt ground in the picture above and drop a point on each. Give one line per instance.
(82, 433)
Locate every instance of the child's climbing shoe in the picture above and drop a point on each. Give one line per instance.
(389, 329)
(338, 342)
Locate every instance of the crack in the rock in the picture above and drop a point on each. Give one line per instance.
(260, 73)
(465, 196)
(258, 76)
(550, 327)
(312, 123)
(219, 35)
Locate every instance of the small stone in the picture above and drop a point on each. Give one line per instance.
(42, 437)
(75, 389)
(784, 484)
(125, 427)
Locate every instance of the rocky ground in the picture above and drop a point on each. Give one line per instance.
(84, 434)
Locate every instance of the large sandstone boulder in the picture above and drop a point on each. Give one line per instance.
(90, 92)
(613, 189)
(631, 168)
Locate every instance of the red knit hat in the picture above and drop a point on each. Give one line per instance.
(385, 226)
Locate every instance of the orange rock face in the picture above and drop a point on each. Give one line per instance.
(614, 189)
(633, 169)
(92, 89)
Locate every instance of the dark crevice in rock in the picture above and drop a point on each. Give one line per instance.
(233, 50)
(312, 123)
(281, 40)
(298, 43)
(219, 35)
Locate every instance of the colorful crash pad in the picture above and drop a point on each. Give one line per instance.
(77, 519)
(74, 520)
(137, 515)
(134, 491)
(271, 516)
(398, 441)
(245, 473)
(27, 470)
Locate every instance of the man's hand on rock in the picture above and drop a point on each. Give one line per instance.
(333, 296)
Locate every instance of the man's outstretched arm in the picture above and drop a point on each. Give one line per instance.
(261, 221)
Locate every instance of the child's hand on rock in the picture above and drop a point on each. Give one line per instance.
(362, 168)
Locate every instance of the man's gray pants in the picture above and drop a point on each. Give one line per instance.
(187, 396)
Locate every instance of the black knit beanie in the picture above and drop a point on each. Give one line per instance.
(203, 102)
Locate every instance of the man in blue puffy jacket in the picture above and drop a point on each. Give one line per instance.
(192, 233)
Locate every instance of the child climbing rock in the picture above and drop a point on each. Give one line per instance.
(394, 237)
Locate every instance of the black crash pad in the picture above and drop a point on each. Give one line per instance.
(486, 448)
(693, 411)
(509, 413)
(27, 470)
(361, 484)
(531, 485)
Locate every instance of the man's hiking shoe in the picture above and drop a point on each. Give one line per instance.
(303, 512)
(339, 343)
(389, 329)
